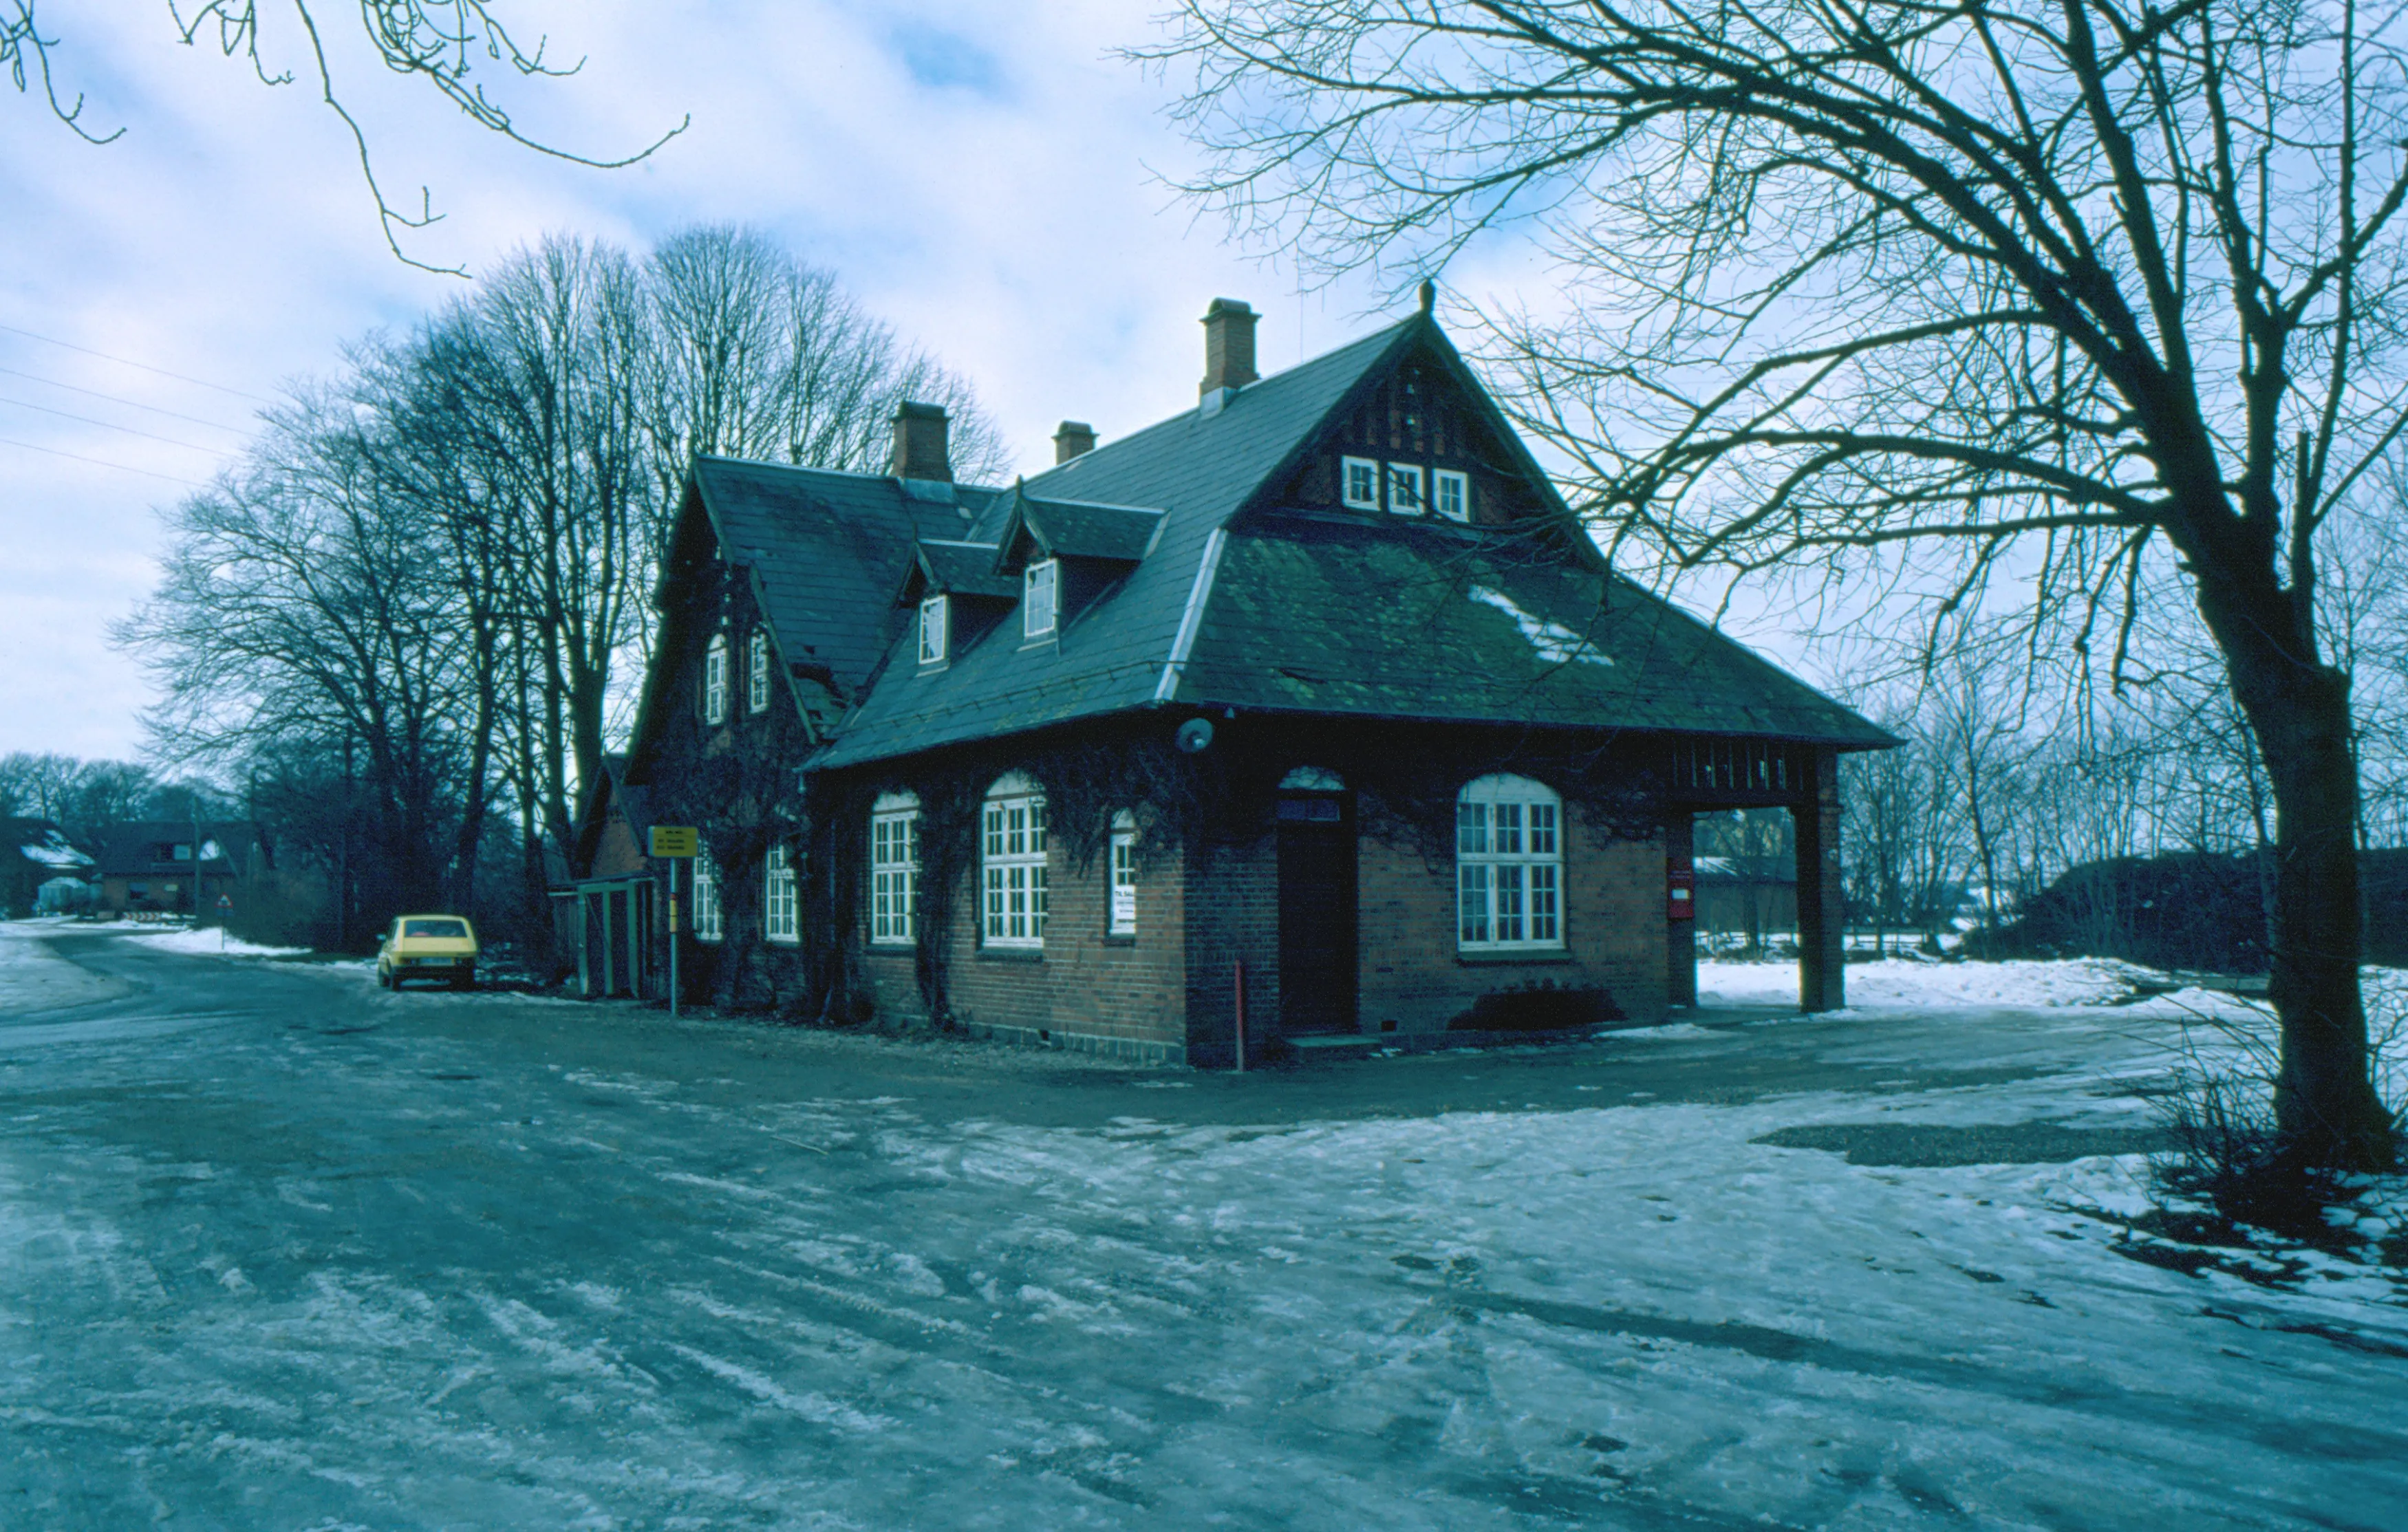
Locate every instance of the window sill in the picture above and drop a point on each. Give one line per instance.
(1120, 938)
(1512, 955)
(891, 949)
(784, 941)
(1012, 954)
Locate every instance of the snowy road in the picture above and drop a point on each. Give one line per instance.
(280, 1251)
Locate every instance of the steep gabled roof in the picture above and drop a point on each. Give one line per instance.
(829, 550)
(961, 568)
(1241, 601)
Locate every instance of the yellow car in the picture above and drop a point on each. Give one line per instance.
(439, 947)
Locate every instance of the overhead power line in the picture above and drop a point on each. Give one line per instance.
(102, 463)
(129, 361)
(112, 425)
(130, 403)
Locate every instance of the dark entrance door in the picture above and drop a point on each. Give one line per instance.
(1316, 913)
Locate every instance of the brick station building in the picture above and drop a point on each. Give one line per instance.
(1313, 704)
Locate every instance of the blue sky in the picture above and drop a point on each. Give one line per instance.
(986, 178)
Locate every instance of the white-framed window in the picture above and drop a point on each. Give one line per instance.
(1509, 864)
(895, 869)
(1359, 483)
(709, 921)
(1451, 494)
(1124, 870)
(757, 674)
(781, 918)
(1040, 588)
(1012, 855)
(1405, 489)
(714, 681)
(935, 617)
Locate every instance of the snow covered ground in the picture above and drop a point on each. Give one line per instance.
(207, 941)
(1895, 982)
(331, 1258)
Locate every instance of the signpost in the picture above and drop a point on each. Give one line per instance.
(674, 844)
(225, 908)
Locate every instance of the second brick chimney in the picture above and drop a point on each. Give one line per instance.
(919, 449)
(1076, 438)
(1228, 347)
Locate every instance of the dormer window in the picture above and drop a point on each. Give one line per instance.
(757, 674)
(1041, 600)
(714, 681)
(1358, 480)
(1405, 489)
(935, 619)
(1451, 496)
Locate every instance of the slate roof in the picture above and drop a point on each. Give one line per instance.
(1073, 529)
(830, 550)
(964, 568)
(45, 845)
(1324, 613)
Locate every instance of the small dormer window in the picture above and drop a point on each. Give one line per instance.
(714, 681)
(757, 674)
(1359, 483)
(935, 618)
(1040, 602)
(1405, 489)
(1451, 496)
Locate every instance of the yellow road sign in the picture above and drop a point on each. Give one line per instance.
(675, 841)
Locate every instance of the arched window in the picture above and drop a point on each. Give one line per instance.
(1509, 863)
(1011, 846)
(756, 673)
(714, 681)
(780, 919)
(895, 869)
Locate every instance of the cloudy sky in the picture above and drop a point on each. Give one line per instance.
(987, 177)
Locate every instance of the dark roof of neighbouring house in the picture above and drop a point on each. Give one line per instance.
(129, 849)
(42, 843)
(1236, 603)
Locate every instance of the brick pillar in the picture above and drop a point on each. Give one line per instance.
(1681, 936)
(1822, 954)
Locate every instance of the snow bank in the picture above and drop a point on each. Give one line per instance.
(209, 941)
(1895, 982)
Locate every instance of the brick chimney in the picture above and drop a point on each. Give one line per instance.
(1228, 347)
(1074, 439)
(919, 442)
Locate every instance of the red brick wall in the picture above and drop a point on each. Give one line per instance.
(1086, 990)
(1232, 915)
(1413, 976)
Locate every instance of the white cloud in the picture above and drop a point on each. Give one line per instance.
(984, 177)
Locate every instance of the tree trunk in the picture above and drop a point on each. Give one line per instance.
(2325, 1100)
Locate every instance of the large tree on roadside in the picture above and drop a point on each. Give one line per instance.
(2036, 287)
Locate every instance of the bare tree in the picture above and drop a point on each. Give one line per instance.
(441, 44)
(1949, 289)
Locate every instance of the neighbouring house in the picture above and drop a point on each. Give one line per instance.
(1311, 713)
(146, 866)
(41, 856)
(1747, 900)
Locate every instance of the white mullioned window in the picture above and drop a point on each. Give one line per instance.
(1509, 865)
(1359, 483)
(1040, 598)
(709, 921)
(714, 681)
(1405, 489)
(936, 616)
(1451, 494)
(1012, 854)
(757, 674)
(780, 919)
(895, 869)
(1124, 871)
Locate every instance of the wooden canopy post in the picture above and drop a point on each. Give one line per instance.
(1822, 904)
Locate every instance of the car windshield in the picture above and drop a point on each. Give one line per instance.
(454, 929)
